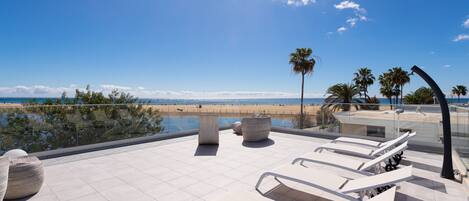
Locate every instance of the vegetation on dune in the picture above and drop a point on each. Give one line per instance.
(64, 122)
(422, 95)
(302, 62)
(388, 89)
(342, 97)
(399, 78)
(363, 79)
(459, 90)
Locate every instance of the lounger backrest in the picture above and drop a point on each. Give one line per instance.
(384, 157)
(391, 143)
(387, 195)
(379, 180)
(399, 139)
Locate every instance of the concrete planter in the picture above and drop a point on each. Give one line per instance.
(4, 166)
(208, 133)
(256, 128)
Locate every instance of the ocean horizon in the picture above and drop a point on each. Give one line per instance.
(253, 101)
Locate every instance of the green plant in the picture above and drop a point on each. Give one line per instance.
(459, 90)
(67, 122)
(363, 79)
(422, 95)
(342, 97)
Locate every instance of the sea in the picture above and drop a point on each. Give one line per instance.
(260, 101)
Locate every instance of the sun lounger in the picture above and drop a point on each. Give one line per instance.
(337, 185)
(360, 151)
(350, 164)
(371, 143)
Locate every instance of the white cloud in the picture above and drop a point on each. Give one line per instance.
(347, 5)
(359, 14)
(352, 21)
(111, 87)
(465, 24)
(300, 2)
(141, 92)
(461, 37)
(446, 66)
(341, 29)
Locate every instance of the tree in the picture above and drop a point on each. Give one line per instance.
(363, 79)
(302, 63)
(88, 118)
(387, 88)
(459, 90)
(342, 96)
(400, 77)
(422, 95)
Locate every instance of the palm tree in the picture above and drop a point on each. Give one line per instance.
(302, 63)
(363, 79)
(459, 90)
(400, 77)
(387, 86)
(342, 96)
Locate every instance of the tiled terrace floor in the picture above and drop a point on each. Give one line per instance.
(180, 170)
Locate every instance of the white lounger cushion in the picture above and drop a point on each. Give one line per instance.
(348, 149)
(345, 162)
(378, 180)
(358, 141)
(364, 152)
(332, 159)
(370, 143)
(374, 144)
(313, 177)
(335, 184)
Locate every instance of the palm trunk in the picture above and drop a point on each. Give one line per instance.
(302, 92)
(390, 101)
(402, 92)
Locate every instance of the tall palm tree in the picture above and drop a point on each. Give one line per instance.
(387, 86)
(364, 78)
(400, 77)
(459, 90)
(342, 96)
(302, 63)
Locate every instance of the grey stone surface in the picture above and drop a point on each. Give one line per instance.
(170, 170)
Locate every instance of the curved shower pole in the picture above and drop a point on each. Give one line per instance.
(447, 169)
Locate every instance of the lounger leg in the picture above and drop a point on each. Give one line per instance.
(261, 179)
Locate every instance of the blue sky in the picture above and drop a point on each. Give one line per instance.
(224, 48)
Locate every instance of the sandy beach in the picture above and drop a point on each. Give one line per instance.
(237, 109)
(222, 109)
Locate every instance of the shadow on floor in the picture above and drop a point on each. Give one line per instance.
(428, 183)
(284, 193)
(422, 166)
(206, 150)
(401, 196)
(259, 144)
